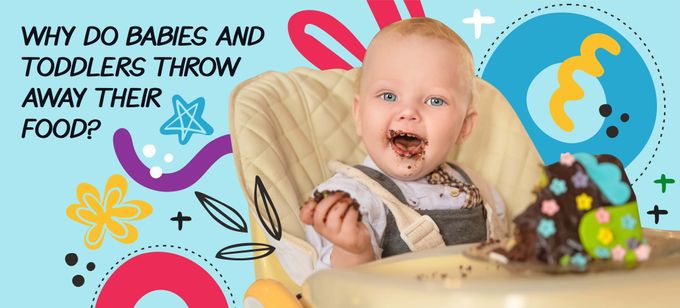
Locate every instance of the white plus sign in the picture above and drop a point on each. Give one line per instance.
(478, 21)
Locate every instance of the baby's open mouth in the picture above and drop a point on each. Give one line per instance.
(406, 144)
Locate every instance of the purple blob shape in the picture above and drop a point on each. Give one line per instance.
(178, 180)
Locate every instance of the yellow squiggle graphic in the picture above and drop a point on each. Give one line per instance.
(570, 90)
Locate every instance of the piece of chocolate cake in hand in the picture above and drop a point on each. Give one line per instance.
(320, 195)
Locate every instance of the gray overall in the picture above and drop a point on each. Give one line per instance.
(457, 226)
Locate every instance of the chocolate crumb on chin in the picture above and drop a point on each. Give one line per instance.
(320, 195)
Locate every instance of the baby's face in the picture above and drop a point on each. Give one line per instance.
(413, 103)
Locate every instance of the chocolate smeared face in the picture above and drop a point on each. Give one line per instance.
(407, 145)
(413, 103)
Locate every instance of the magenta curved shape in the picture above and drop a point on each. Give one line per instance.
(316, 52)
(386, 12)
(154, 271)
(178, 180)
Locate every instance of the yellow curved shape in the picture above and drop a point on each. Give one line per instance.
(270, 294)
(568, 89)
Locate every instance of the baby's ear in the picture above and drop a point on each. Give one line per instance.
(355, 114)
(468, 124)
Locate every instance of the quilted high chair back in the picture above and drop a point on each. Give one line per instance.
(285, 127)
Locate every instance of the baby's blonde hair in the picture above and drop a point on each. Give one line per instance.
(427, 27)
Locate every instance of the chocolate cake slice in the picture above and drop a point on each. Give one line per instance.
(585, 211)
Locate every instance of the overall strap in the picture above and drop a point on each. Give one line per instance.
(496, 229)
(384, 181)
(419, 232)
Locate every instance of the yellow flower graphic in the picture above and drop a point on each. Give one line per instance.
(605, 236)
(108, 214)
(583, 202)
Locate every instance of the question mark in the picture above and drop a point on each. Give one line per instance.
(90, 129)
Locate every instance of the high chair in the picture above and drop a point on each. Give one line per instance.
(285, 127)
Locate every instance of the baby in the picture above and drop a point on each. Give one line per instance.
(413, 103)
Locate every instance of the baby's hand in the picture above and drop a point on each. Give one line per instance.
(336, 217)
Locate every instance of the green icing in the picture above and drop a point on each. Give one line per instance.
(630, 259)
(589, 227)
(564, 260)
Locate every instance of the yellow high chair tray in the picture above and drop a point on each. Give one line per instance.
(446, 278)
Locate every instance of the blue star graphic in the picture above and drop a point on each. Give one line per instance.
(186, 120)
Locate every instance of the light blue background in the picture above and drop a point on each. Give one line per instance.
(42, 174)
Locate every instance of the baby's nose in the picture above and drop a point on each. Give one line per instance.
(409, 114)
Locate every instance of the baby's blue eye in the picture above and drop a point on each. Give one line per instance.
(435, 101)
(389, 97)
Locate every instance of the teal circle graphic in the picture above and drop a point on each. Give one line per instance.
(522, 68)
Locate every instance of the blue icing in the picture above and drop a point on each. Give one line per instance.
(607, 177)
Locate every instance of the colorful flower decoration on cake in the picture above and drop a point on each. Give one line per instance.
(628, 222)
(602, 252)
(580, 179)
(584, 202)
(618, 253)
(642, 252)
(567, 159)
(602, 215)
(558, 186)
(632, 243)
(549, 207)
(546, 228)
(564, 260)
(605, 235)
(579, 260)
(107, 214)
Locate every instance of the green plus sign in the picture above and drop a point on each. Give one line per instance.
(663, 181)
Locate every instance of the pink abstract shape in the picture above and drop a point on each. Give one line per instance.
(316, 52)
(154, 271)
(385, 13)
(415, 8)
